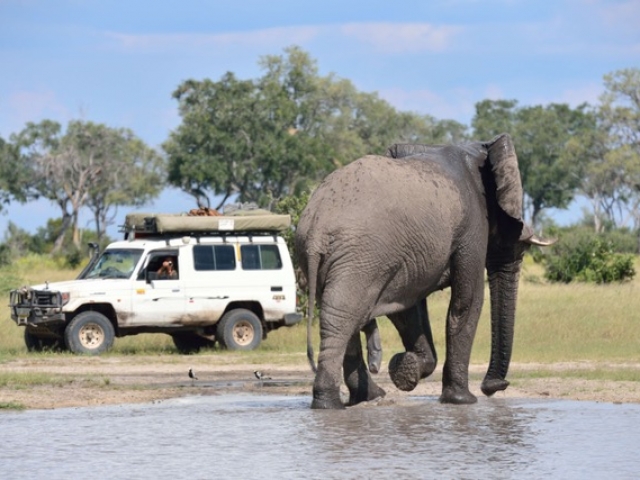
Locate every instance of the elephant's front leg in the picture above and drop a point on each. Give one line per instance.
(361, 386)
(420, 359)
(467, 296)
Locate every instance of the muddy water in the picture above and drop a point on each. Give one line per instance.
(261, 437)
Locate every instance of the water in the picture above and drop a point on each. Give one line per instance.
(262, 437)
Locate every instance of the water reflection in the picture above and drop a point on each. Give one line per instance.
(426, 439)
(280, 437)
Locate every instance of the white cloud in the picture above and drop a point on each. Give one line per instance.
(383, 37)
(585, 27)
(403, 37)
(619, 15)
(145, 43)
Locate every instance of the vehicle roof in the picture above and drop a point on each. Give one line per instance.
(156, 242)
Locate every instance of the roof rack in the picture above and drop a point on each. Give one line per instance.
(252, 221)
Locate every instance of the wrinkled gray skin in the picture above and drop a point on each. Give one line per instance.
(382, 233)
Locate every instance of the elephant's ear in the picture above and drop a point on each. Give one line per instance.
(504, 165)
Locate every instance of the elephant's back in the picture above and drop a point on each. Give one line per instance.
(377, 188)
(376, 201)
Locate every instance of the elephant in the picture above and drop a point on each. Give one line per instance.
(383, 232)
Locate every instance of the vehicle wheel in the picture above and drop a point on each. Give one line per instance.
(188, 343)
(90, 333)
(239, 329)
(35, 343)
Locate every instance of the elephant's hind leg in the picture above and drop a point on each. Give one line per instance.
(419, 361)
(337, 327)
(326, 386)
(361, 386)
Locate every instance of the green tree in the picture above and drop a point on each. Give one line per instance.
(16, 178)
(131, 173)
(494, 117)
(608, 153)
(598, 182)
(541, 135)
(620, 105)
(279, 134)
(620, 118)
(210, 152)
(19, 242)
(253, 139)
(89, 165)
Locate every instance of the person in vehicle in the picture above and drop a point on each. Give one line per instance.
(167, 270)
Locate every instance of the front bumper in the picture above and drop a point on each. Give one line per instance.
(36, 307)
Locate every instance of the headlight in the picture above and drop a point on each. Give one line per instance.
(65, 297)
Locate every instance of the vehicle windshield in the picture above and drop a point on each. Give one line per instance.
(115, 263)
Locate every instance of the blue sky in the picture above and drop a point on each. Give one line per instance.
(119, 62)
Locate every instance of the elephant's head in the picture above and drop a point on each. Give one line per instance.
(509, 239)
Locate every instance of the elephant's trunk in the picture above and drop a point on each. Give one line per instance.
(503, 289)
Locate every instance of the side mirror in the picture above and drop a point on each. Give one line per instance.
(150, 276)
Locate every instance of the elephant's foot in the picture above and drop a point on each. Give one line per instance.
(404, 370)
(491, 386)
(326, 402)
(461, 396)
(374, 361)
(361, 386)
(371, 393)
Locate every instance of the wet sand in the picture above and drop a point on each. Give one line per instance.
(58, 381)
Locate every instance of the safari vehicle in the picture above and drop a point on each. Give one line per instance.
(234, 282)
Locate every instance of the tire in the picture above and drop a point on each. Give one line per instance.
(189, 343)
(89, 333)
(35, 343)
(239, 329)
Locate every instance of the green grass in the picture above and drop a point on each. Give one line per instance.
(618, 374)
(11, 406)
(24, 380)
(555, 323)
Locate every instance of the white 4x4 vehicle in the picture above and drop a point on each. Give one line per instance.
(233, 282)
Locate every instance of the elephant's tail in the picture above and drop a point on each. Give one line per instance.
(314, 261)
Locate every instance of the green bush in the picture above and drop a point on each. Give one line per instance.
(622, 240)
(584, 256)
(294, 206)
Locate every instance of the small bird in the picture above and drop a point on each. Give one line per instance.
(260, 376)
(192, 375)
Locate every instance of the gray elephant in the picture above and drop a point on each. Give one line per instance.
(382, 233)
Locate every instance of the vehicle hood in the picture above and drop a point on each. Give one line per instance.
(92, 284)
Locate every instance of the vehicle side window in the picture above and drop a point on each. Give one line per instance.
(214, 257)
(155, 263)
(260, 257)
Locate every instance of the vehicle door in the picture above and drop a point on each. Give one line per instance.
(264, 279)
(211, 286)
(158, 296)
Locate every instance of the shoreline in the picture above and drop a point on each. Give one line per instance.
(48, 382)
